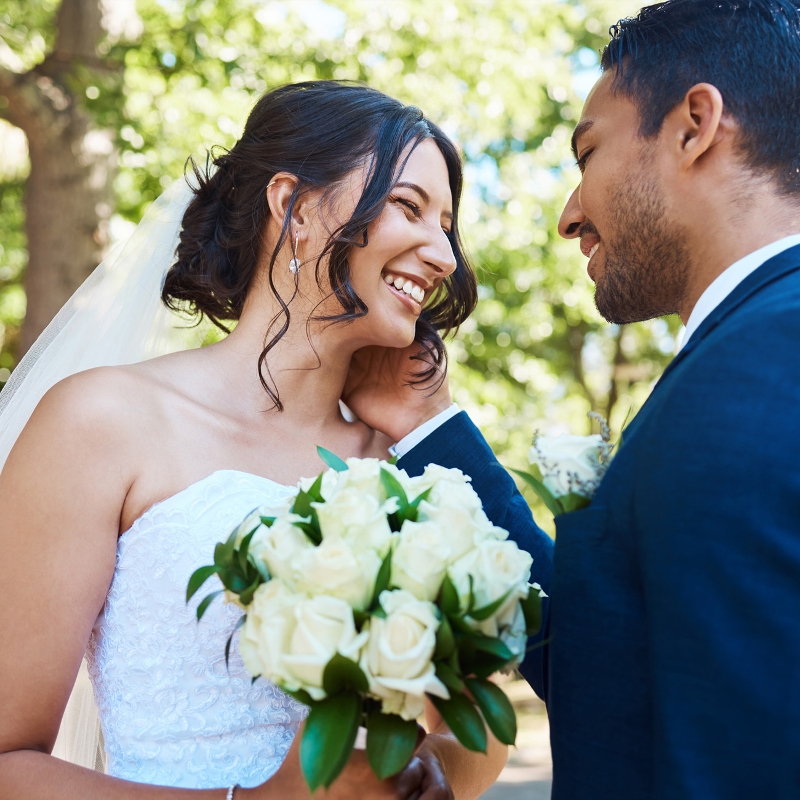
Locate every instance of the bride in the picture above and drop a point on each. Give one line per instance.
(330, 227)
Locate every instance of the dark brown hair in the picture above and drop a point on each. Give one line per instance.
(318, 131)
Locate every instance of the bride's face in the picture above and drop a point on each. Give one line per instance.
(408, 254)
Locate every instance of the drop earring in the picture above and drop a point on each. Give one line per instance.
(294, 264)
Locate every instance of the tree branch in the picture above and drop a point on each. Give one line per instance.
(16, 88)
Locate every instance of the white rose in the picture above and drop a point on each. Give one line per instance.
(336, 569)
(362, 474)
(455, 506)
(420, 559)
(570, 464)
(324, 627)
(436, 474)
(280, 546)
(289, 638)
(497, 568)
(358, 517)
(397, 658)
(268, 629)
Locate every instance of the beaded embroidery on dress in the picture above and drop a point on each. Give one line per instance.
(171, 712)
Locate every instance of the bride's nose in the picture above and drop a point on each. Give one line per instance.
(437, 253)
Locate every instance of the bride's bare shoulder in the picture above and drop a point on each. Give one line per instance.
(106, 400)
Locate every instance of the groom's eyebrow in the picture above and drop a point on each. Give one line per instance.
(580, 129)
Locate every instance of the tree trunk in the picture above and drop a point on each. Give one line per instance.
(69, 190)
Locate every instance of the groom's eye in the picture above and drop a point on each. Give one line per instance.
(581, 162)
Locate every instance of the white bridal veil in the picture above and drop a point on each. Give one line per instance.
(115, 317)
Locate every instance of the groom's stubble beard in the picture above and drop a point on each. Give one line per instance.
(647, 261)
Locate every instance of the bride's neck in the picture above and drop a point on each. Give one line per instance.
(307, 365)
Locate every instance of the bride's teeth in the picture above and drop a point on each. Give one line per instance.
(594, 249)
(418, 294)
(388, 279)
(407, 287)
(398, 283)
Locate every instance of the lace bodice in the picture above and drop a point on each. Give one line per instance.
(171, 712)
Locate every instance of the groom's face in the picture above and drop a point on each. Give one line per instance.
(638, 257)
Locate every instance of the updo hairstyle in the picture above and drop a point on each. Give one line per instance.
(318, 131)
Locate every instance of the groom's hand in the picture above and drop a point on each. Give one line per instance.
(379, 390)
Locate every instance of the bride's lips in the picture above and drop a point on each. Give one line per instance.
(409, 302)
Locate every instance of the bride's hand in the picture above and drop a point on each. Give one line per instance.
(379, 392)
(422, 779)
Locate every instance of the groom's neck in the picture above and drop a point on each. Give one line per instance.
(752, 217)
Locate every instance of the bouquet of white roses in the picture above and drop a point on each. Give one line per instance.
(369, 591)
(569, 468)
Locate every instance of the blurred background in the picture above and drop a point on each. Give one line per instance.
(101, 103)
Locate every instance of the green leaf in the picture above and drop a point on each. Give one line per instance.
(393, 488)
(244, 547)
(310, 529)
(495, 647)
(199, 577)
(332, 460)
(390, 743)
(448, 597)
(382, 580)
(420, 497)
(205, 603)
(486, 611)
(449, 677)
(445, 641)
(239, 624)
(246, 596)
(574, 502)
(342, 674)
(532, 611)
(496, 709)
(328, 738)
(223, 552)
(268, 521)
(463, 720)
(302, 503)
(544, 494)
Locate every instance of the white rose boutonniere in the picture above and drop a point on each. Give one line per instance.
(570, 468)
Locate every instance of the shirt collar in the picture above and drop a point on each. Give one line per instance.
(728, 280)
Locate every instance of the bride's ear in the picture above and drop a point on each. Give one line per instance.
(279, 194)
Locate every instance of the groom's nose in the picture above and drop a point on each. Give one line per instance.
(572, 217)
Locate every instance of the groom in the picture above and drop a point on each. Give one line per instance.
(673, 664)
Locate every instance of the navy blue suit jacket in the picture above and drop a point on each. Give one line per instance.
(674, 661)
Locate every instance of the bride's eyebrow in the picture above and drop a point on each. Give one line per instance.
(422, 193)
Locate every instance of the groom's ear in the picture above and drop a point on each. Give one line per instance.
(698, 124)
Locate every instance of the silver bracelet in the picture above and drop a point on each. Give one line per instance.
(231, 790)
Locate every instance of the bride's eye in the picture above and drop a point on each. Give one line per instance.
(412, 207)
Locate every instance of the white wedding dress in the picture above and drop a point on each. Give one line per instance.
(171, 712)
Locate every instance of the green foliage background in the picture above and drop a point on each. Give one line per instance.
(505, 78)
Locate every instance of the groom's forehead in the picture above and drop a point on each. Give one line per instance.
(605, 111)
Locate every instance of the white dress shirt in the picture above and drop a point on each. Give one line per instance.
(727, 281)
(426, 429)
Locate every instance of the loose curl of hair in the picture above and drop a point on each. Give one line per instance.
(319, 131)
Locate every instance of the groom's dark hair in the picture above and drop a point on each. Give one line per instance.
(748, 49)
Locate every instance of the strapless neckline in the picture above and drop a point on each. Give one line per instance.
(197, 484)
